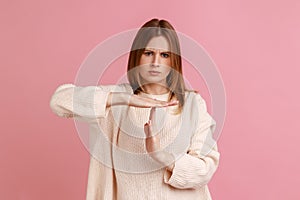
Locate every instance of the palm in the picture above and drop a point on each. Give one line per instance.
(153, 143)
(152, 140)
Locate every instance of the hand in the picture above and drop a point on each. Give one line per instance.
(153, 143)
(122, 98)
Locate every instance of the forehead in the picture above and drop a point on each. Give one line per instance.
(158, 42)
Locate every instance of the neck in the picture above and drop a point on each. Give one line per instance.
(155, 89)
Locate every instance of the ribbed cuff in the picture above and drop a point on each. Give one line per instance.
(186, 172)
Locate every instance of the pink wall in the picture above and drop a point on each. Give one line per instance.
(254, 43)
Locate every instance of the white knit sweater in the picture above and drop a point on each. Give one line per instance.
(120, 167)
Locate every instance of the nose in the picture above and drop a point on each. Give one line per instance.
(155, 61)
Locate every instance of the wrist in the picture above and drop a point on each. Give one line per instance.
(170, 167)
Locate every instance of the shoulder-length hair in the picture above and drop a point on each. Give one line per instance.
(175, 82)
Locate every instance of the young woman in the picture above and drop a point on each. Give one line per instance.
(151, 138)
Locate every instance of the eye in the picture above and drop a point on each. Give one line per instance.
(148, 53)
(165, 55)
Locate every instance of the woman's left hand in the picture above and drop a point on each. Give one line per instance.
(153, 143)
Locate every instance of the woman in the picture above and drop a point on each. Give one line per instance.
(151, 138)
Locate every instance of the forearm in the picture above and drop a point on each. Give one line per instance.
(117, 98)
(86, 103)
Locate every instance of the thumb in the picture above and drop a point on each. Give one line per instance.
(148, 129)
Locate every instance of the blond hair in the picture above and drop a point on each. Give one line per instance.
(175, 82)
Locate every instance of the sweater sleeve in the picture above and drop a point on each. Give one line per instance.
(195, 168)
(83, 103)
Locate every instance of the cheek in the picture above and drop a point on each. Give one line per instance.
(141, 61)
(144, 60)
(166, 71)
(142, 70)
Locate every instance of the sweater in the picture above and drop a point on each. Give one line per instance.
(120, 167)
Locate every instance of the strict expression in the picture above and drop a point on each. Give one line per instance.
(155, 61)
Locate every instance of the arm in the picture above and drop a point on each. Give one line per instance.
(91, 102)
(86, 103)
(195, 168)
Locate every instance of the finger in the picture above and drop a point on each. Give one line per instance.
(157, 103)
(147, 130)
(153, 143)
(149, 102)
(173, 103)
(166, 104)
(145, 102)
(152, 115)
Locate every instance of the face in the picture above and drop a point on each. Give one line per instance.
(155, 61)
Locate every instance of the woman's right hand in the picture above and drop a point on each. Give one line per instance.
(122, 98)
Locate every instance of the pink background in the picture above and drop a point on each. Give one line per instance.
(255, 44)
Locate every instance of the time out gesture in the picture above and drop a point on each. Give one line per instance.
(152, 139)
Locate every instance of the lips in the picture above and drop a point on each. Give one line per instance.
(152, 72)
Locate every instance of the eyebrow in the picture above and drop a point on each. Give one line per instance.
(151, 49)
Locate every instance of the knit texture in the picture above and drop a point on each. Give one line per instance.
(120, 167)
